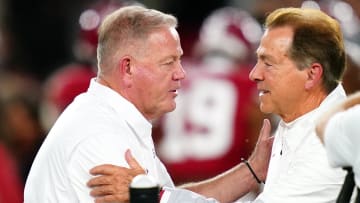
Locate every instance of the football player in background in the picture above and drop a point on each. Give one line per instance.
(217, 117)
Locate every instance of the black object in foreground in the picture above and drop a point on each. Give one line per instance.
(144, 188)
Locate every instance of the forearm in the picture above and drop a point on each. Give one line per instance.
(348, 103)
(238, 181)
(226, 187)
(351, 101)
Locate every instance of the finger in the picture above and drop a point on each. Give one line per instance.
(265, 129)
(266, 135)
(99, 180)
(264, 142)
(108, 190)
(132, 161)
(123, 198)
(120, 176)
(105, 169)
(102, 191)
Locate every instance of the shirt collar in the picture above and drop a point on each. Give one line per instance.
(336, 96)
(121, 106)
(296, 131)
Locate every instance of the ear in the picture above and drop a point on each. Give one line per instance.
(314, 75)
(126, 70)
(124, 65)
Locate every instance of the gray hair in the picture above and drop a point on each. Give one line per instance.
(126, 26)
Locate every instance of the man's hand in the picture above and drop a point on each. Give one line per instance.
(111, 183)
(259, 159)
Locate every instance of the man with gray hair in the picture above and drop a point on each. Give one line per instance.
(300, 64)
(139, 73)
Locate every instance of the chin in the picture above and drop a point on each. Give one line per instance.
(169, 108)
(265, 109)
(172, 108)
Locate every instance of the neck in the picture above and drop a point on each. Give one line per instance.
(102, 80)
(127, 95)
(309, 103)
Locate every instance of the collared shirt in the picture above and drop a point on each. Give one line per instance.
(342, 138)
(299, 170)
(97, 128)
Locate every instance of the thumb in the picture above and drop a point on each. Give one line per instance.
(265, 131)
(132, 161)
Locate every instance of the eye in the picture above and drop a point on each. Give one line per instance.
(267, 64)
(169, 63)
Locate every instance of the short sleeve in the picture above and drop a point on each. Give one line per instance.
(342, 136)
(91, 152)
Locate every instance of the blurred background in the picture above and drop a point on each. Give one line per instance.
(47, 57)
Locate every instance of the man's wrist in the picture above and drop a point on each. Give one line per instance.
(252, 171)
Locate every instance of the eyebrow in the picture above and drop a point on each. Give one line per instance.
(170, 57)
(263, 56)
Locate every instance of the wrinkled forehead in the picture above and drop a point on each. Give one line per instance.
(276, 39)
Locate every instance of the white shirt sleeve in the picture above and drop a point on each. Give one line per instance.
(342, 137)
(89, 153)
(181, 195)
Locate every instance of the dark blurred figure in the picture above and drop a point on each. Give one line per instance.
(347, 15)
(217, 118)
(355, 4)
(190, 14)
(11, 184)
(11, 187)
(351, 80)
(69, 80)
(260, 8)
(89, 19)
(42, 33)
(20, 132)
(60, 88)
(21, 129)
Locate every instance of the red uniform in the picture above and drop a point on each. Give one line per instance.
(212, 127)
(11, 187)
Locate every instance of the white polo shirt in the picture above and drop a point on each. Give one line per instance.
(299, 170)
(97, 128)
(342, 140)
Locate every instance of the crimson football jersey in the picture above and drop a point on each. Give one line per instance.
(215, 124)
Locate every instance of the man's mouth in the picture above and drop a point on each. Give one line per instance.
(263, 92)
(174, 92)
